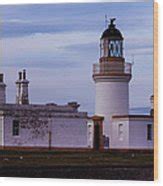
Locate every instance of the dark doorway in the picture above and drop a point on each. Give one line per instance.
(96, 137)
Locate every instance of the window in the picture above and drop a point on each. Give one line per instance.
(115, 48)
(120, 131)
(102, 48)
(15, 128)
(149, 132)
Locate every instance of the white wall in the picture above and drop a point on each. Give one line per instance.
(134, 133)
(66, 132)
(90, 133)
(138, 134)
(1, 131)
(116, 140)
(32, 132)
(112, 98)
(69, 132)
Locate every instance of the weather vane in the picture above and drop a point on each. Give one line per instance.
(112, 21)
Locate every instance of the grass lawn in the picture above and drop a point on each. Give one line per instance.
(53, 158)
(72, 164)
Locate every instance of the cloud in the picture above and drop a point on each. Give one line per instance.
(23, 20)
(46, 50)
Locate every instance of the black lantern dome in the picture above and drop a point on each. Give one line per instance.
(112, 32)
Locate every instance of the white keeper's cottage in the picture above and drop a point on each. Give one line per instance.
(26, 125)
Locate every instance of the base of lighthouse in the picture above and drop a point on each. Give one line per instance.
(112, 98)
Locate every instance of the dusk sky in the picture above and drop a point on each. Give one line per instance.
(58, 43)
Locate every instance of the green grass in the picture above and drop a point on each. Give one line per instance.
(57, 158)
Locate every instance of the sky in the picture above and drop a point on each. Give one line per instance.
(58, 44)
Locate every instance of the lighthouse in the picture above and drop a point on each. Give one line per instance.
(111, 76)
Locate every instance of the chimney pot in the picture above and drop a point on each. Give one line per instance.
(1, 78)
(20, 75)
(24, 74)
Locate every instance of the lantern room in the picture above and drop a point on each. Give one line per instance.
(111, 42)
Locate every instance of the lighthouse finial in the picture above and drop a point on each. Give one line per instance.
(112, 21)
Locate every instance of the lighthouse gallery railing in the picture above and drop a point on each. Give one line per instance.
(108, 68)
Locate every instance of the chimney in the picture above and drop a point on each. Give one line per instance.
(24, 74)
(2, 90)
(1, 78)
(20, 75)
(22, 89)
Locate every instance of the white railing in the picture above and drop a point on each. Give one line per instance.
(108, 68)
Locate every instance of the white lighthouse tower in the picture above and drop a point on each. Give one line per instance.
(111, 76)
